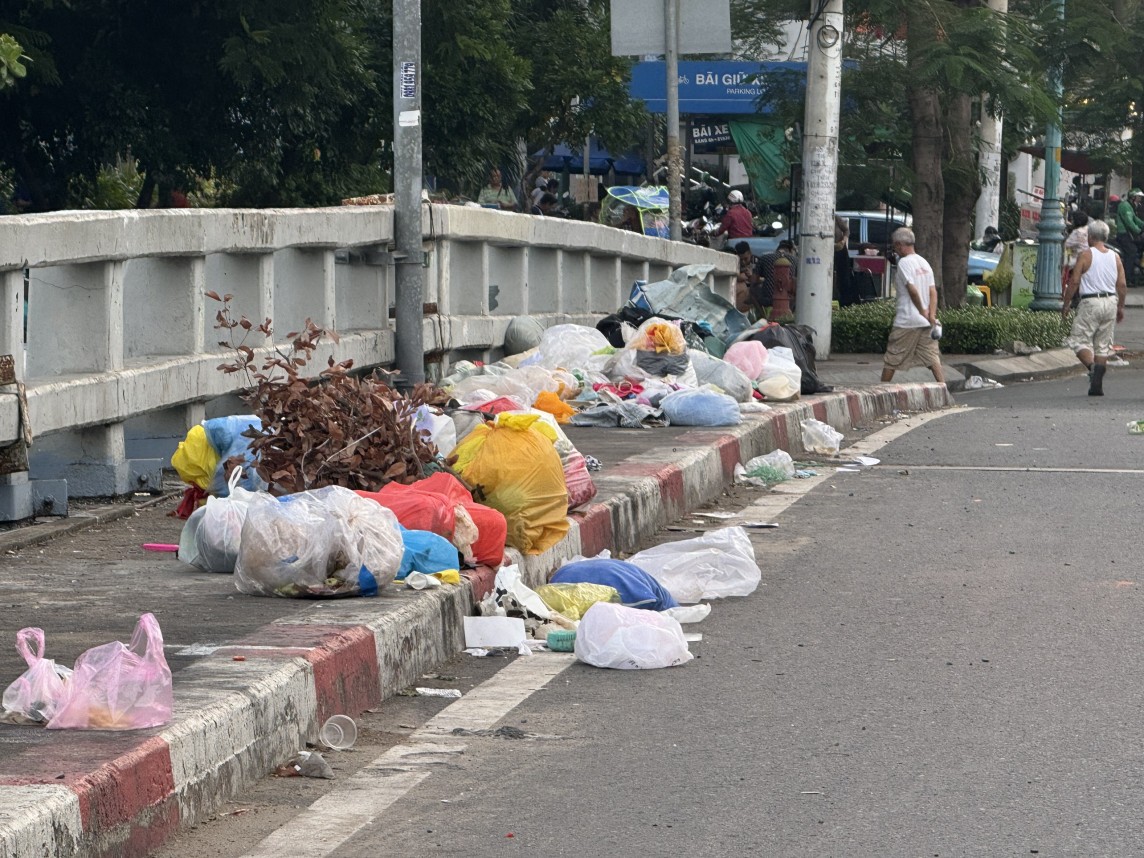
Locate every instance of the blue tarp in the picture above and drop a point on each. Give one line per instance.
(600, 160)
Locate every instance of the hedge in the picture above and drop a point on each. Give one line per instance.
(864, 328)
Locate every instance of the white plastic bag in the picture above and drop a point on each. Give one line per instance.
(781, 378)
(727, 377)
(210, 538)
(570, 346)
(716, 565)
(821, 438)
(611, 635)
(772, 468)
(441, 429)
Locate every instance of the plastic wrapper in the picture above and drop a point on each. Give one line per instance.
(718, 564)
(319, 544)
(36, 694)
(573, 600)
(515, 467)
(636, 587)
(119, 687)
(622, 638)
(820, 438)
(750, 357)
(700, 407)
(721, 374)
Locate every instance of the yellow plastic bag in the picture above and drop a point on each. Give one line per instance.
(659, 336)
(195, 459)
(573, 600)
(514, 468)
(554, 405)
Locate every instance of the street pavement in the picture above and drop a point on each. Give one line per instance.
(254, 677)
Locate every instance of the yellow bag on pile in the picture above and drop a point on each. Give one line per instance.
(195, 459)
(516, 470)
(574, 600)
(659, 336)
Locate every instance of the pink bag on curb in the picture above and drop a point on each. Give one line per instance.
(37, 692)
(117, 687)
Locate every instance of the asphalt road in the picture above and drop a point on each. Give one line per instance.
(941, 661)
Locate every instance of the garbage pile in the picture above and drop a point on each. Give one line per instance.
(622, 614)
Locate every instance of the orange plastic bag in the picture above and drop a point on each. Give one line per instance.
(554, 405)
(515, 468)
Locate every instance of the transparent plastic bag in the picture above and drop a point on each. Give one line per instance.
(211, 536)
(718, 564)
(775, 467)
(781, 378)
(614, 636)
(570, 347)
(119, 687)
(36, 694)
(820, 438)
(723, 375)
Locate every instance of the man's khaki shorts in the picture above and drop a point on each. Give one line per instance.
(910, 347)
(1094, 325)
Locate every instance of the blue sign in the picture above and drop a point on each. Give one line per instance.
(718, 87)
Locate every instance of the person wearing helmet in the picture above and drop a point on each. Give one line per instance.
(737, 222)
(1129, 232)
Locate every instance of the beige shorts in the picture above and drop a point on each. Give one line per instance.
(1093, 326)
(910, 347)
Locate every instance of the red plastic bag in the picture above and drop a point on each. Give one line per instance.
(118, 687)
(37, 692)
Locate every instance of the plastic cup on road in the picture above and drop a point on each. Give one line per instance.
(339, 732)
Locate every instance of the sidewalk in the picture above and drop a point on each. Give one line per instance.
(255, 678)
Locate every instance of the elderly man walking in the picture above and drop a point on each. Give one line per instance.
(912, 341)
(1098, 281)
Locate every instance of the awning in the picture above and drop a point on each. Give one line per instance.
(1071, 159)
(600, 160)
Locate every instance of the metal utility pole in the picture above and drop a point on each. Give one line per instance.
(408, 288)
(674, 161)
(1050, 231)
(820, 172)
(988, 210)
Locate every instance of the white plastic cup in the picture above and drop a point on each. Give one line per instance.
(339, 732)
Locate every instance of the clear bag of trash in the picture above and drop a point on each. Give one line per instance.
(719, 564)
(781, 377)
(710, 370)
(773, 468)
(614, 636)
(35, 695)
(820, 438)
(210, 538)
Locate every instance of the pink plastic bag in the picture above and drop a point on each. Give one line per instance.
(117, 687)
(750, 356)
(37, 692)
(581, 489)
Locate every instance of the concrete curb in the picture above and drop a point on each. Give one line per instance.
(246, 707)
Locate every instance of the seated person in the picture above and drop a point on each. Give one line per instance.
(545, 204)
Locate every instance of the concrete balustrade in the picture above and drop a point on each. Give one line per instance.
(121, 352)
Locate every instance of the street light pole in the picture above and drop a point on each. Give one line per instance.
(1050, 230)
(674, 161)
(408, 288)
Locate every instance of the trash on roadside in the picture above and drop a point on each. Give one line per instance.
(119, 687)
(615, 636)
(719, 373)
(211, 537)
(35, 695)
(426, 553)
(636, 587)
(308, 764)
(820, 438)
(768, 470)
(719, 564)
(1136, 427)
(447, 693)
(689, 613)
(339, 732)
(781, 377)
(161, 547)
(494, 632)
(859, 463)
(976, 382)
(700, 407)
(573, 600)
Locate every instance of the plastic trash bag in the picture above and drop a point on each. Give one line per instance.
(549, 402)
(226, 436)
(573, 600)
(440, 428)
(578, 481)
(427, 553)
(36, 694)
(781, 378)
(636, 587)
(717, 565)
(210, 538)
(700, 407)
(821, 438)
(119, 687)
(515, 467)
(685, 295)
(749, 356)
(773, 468)
(627, 639)
(570, 346)
(726, 376)
(323, 543)
(196, 460)
(660, 336)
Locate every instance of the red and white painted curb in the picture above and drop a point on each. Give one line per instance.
(244, 708)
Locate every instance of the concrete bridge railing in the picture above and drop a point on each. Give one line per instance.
(114, 338)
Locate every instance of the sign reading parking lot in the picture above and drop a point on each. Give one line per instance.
(638, 27)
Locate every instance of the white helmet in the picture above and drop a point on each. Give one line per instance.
(735, 197)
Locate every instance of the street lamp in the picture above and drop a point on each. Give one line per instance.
(1047, 290)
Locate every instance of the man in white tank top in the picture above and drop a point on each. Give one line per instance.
(1098, 281)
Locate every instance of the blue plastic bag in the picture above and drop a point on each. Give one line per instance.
(700, 407)
(225, 435)
(427, 553)
(637, 589)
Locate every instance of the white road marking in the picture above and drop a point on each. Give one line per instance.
(337, 816)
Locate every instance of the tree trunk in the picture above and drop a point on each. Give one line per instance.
(962, 187)
(925, 114)
(147, 191)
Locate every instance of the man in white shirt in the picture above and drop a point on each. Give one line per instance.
(1099, 282)
(911, 340)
